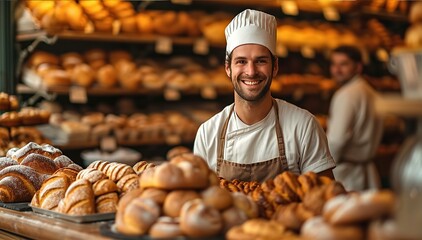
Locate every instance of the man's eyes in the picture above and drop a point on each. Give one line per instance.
(259, 61)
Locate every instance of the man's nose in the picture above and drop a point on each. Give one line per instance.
(250, 69)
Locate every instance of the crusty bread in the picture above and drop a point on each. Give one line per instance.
(217, 198)
(116, 171)
(71, 173)
(199, 220)
(141, 166)
(79, 199)
(175, 201)
(6, 162)
(19, 183)
(52, 191)
(316, 228)
(104, 186)
(107, 203)
(92, 175)
(137, 216)
(39, 163)
(62, 161)
(128, 183)
(359, 207)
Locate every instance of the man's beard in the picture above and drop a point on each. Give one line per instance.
(257, 97)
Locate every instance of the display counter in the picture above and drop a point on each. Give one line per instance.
(36, 226)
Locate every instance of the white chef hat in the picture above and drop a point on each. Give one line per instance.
(251, 26)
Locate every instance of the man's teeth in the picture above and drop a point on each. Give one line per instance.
(251, 82)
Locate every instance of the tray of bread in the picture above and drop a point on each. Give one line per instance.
(96, 217)
(22, 206)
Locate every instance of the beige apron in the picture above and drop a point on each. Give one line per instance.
(259, 171)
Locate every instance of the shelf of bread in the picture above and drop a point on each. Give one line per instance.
(70, 130)
(151, 26)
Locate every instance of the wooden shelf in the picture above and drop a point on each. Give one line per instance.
(392, 16)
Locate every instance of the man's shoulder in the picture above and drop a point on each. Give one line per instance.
(291, 111)
(215, 120)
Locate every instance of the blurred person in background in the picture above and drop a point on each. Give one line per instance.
(354, 128)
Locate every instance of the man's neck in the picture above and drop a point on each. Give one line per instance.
(252, 112)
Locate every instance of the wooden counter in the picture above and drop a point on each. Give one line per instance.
(36, 226)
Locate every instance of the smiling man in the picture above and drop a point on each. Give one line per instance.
(257, 137)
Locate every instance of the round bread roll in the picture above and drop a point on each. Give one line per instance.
(75, 16)
(104, 25)
(415, 14)
(138, 216)
(246, 204)
(217, 198)
(358, 207)
(40, 57)
(144, 23)
(56, 78)
(199, 220)
(107, 76)
(129, 24)
(166, 228)
(316, 228)
(233, 217)
(71, 59)
(95, 54)
(44, 68)
(175, 201)
(50, 23)
(413, 36)
(83, 75)
(176, 20)
(258, 229)
(119, 55)
(159, 196)
(176, 151)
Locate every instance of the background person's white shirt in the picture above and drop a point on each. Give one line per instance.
(354, 132)
(305, 142)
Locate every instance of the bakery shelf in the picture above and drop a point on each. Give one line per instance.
(392, 16)
(109, 37)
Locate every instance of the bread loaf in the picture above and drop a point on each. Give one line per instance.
(79, 199)
(104, 186)
(19, 183)
(233, 217)
(316, 228)
(217, 198)
(159, 196)
(92, 175)
(246, 204)
(6, 162)
(137, 216)
(258, 229)
(141, 166)
(62, 161)
(166, 228)
(52, 192)
(176, 151)
(199, 220)
(316, 198)
(99, 165)
(357, 208)
(39, 163)
(107, 203)
(175, 201)
(292, 216)
(128, 183)
(116, 171)
(71, 173)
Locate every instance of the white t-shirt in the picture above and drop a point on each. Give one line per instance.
(305, 142)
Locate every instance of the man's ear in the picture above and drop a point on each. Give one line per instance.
(227, 68)
(275, 67)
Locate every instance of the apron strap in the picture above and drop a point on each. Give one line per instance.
(222, 139)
